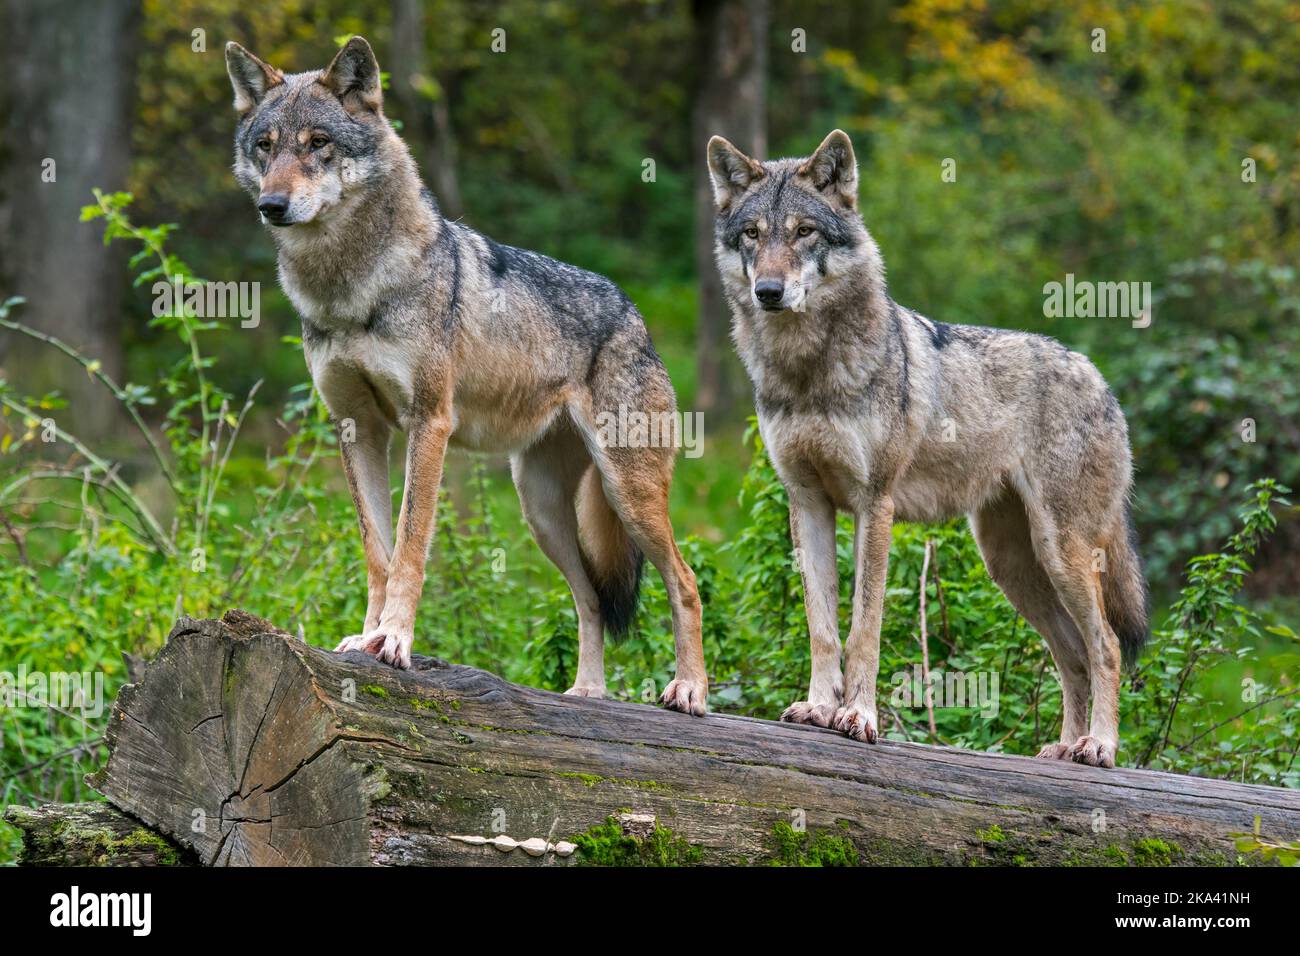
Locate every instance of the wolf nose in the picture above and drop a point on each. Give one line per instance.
(273, 206)
(769, 291)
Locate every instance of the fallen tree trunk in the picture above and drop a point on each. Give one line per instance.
(248, 746)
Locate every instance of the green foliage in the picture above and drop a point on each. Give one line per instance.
(1285, 852)
(1208, 407)
(1188, 723)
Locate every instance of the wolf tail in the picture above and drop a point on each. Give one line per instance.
(611, 559)
(1124, 591)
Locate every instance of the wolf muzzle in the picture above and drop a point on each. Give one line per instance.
(274, 208)
(770, 293)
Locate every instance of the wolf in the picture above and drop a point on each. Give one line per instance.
(414, 322)
(867, 407)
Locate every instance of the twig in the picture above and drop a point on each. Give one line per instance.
(1223, 723)
(73, 751)
(110, 473)
(943, 604)
(112, 386)
(17, 538)
(925, 647)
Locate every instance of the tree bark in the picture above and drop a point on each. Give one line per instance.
(731, 50)
(427, 120)
(67, 98)
(247, 746)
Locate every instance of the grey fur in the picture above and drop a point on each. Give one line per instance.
(414, 322)
(867, 407)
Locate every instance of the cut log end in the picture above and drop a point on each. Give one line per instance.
(243, 745)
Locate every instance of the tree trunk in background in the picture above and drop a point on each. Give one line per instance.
(67, 96)
(731, 52)
(427, 122)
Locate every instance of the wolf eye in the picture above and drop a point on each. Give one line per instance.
(752, 232)
(805, 231)
(319, 142)
(264, 144)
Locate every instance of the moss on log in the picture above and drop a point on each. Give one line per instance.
(91, 834)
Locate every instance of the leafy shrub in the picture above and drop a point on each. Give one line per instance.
(1209, 409)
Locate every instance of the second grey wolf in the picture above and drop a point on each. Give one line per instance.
(867, 407)
(415, 322)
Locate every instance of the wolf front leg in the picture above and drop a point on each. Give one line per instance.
(872, 523)
(812, 528)
(392, 638)
(364, 443)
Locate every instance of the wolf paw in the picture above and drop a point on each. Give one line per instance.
(390, 645)
(802, 712)
(1054, 752)
(586, 690)
(857, 722)
(1093, 751)
(688, 696)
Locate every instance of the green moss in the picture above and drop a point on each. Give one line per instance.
(1155, 852)
(103, 844)
(141, 839)
(806, 849)
(591, 779)
(608, 845)
(375, 690)
(1001, 847)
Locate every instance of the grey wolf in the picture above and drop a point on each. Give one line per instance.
(867, 407)
(413, 322)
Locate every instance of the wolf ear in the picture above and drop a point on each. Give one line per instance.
(731, 170)
(833, 168)
(353, 76)
(250, 77)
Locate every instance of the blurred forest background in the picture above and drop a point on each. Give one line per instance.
(160, 464)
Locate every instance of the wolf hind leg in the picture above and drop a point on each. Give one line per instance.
(1002, 532)
(635, 483)
(640, 497)
(547, 476)
(636, 470)
(1066, 554)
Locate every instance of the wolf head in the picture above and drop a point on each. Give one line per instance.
(308, 144)
(788, 234)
